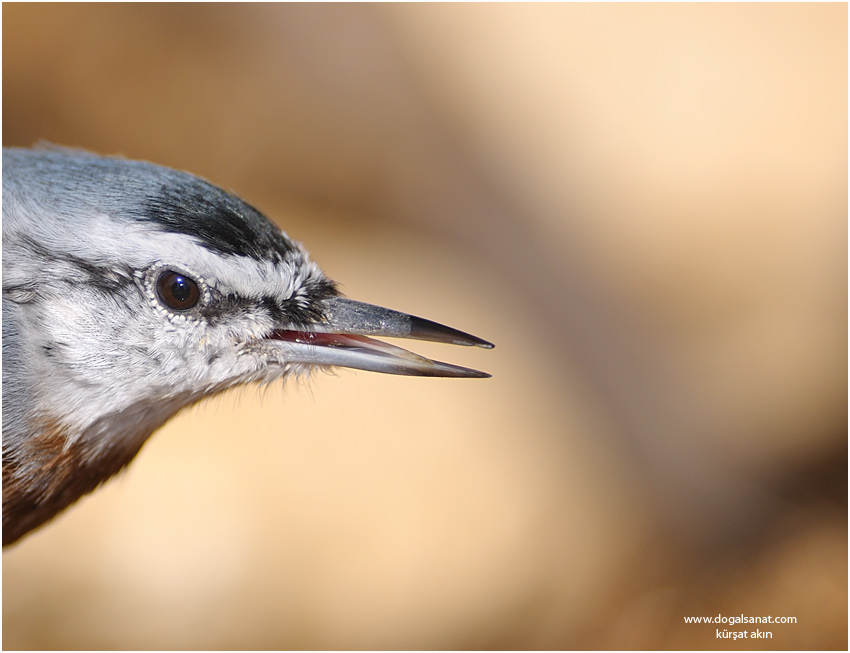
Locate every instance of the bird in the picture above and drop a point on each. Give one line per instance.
(132, 290)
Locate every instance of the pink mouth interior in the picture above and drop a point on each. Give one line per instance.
(321, 339)
(345, 341)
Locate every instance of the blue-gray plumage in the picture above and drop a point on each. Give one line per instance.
(130, 291)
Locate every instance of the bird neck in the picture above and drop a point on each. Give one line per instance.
(53, 467)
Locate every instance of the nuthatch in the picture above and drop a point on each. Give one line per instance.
(132, 290)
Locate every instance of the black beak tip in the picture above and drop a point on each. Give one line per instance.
(422, 329)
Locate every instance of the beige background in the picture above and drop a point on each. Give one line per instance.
(643, 206)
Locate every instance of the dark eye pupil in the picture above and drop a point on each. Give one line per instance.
(180, 289)
(177, 291)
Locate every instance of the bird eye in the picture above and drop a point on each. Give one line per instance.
(177, 291)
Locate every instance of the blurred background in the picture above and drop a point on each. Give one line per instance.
(643, 206)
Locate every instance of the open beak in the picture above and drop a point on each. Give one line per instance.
(342, 339)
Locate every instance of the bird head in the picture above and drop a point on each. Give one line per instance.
(131, 290)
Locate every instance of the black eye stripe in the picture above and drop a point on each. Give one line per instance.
(177, 291)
